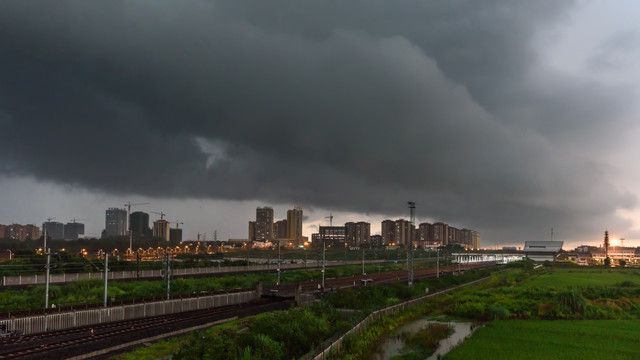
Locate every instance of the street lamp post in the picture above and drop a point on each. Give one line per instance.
(323, 260)
(278, 283)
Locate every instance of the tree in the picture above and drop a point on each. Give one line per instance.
(607, 262)
(622, 263)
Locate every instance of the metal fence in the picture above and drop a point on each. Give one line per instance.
(367, 321)
(132, 274)
(66, 320)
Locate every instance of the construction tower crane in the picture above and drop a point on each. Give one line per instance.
(76, 220)
(162, 215)
(330, 217)
(178, 223)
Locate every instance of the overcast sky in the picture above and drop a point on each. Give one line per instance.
(506, 117)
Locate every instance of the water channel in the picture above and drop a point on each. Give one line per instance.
(394, 343)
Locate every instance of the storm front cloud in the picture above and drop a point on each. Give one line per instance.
(351, 106)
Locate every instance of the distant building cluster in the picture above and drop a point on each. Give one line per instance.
(288, 231)
(116, 225)
(55, 230)
(398, 233)
(19, 232)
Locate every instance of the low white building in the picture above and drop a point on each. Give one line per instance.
(541, 251)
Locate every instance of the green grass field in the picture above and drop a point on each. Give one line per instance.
(564, 278)
(539, 340)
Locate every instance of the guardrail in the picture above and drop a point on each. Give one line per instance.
(65, 320)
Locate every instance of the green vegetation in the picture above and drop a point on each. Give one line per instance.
(271, 336)
(83, 292)
(549, 293)
(370, 298)
(423, 343)
(564, 339)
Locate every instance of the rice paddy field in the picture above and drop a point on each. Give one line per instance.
(557, 339)
(580, 277)
(605, 325)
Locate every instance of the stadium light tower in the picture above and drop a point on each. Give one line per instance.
(412, 212)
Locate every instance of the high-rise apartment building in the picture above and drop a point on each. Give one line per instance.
(33, 232)
(4, 233)
(17, 232)
(73, 230)
(440, 233)
(280, 230)
(333, 235)
(54, 230)
(139, 223)
(116, 222)
(294, 225)
(264, 224)
(175, 235)
(358, 234)
(387, 233)
(403, 232)
(470, 239)
(424, 234)
(162, 229)
(252, 230)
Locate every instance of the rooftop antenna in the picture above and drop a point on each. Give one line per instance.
(330, 217)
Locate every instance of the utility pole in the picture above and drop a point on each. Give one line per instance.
(46, 287)
(129, 205)
(137, 264)
(168, 275)
(106, 278)
(323, 259)
(363, 273)
(412, 210)
(438, 261)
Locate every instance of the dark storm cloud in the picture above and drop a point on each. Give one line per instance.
(352, 106)
(616, 51)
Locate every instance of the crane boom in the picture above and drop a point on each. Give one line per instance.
(330, 217)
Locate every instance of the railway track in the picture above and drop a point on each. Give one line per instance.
(82, 340)
(70, 342)
(387, 277)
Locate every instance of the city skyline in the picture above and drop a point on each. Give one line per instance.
(507, 118)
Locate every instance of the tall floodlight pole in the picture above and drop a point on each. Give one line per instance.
(412, 211)
(278, 282)
(129, 205)
(46, 287)
(45, 233)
